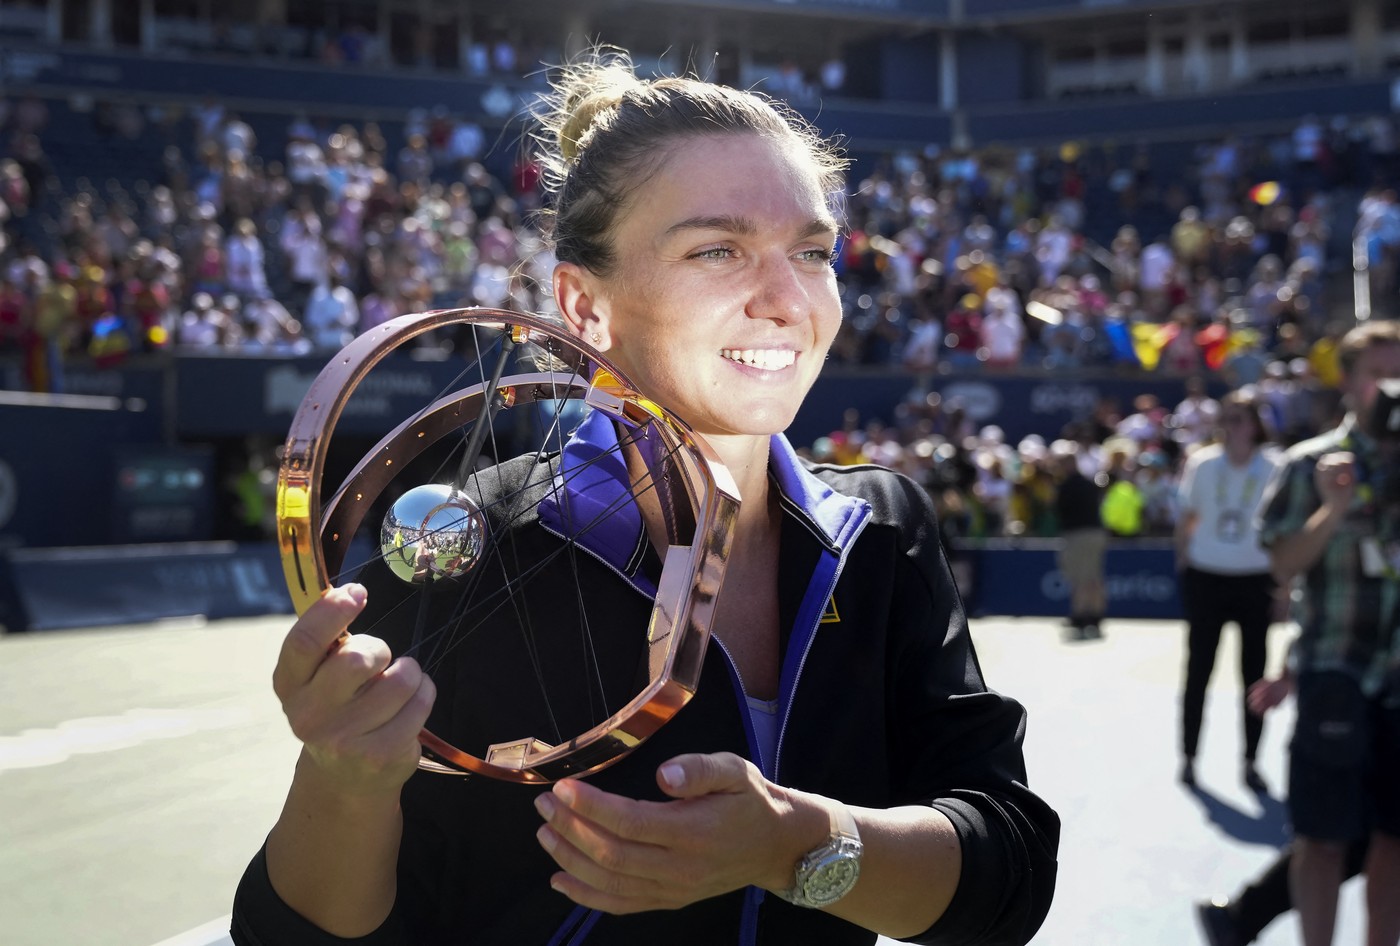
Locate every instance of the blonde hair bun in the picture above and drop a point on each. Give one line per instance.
(586, 98)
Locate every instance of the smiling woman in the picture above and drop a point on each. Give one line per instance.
(725, 317)
(841, 770)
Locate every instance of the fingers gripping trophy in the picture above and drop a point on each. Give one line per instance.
(461, 538)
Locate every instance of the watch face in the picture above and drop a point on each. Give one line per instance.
(832, 879)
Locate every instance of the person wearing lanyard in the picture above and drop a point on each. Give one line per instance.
(1224, 571)
(1332, 519)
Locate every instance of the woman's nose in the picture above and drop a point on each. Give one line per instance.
(780, 295)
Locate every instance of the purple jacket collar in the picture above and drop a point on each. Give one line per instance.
(591, 502)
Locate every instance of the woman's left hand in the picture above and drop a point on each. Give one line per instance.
(722, 832)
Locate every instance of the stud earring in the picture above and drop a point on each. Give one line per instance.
(597, 337)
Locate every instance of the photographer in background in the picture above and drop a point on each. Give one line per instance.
(1332, 518)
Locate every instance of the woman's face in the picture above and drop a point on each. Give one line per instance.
(723, 302)
(1237, 424)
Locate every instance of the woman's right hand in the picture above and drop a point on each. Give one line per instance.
(356, 709)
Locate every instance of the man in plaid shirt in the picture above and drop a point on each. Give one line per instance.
(1331, 519)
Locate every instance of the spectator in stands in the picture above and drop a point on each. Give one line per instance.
(1158, 484)
(459, 256)
(200, 326)
(503, 56)
(306, 163)
(16, 318)
(1190, 238)
(1146, 425)
(1125, 269)
(1054, 247)
(237, 136)
(34, 164)
(308, 258)
(332, 314)
(1194, 417)
(465, 145)
(1181, 354)
(1248, 359)
(833, 75)
(94, 302)
(1157, 272)
(925, 343)
(14, 196)
(208, 271)
(1309, 154)
(26, 264)
(384, 304)
(241, 190)
(146, 304)
(55, 328)
(243, 255)
(1031, 509)
(415, 162)
(268, 327)
(992, 492)
(963, 341)
(478, 58)
(1003, 332)
(1378, 226)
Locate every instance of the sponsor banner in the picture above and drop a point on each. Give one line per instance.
(1018, 405)
(223, 397)
(132, 584)
(1022, 578)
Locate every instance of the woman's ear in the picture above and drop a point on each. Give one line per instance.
(576, 292)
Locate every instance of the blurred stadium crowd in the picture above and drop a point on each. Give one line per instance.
(292, 237)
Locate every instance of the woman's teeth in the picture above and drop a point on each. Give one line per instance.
(766, 359)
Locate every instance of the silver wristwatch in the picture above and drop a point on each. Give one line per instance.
(827, 873)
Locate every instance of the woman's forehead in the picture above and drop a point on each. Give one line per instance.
(732, 173)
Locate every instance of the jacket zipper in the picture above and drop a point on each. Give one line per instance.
(753, 896)
(811, 634)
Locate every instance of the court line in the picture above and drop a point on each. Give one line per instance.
(33, 748)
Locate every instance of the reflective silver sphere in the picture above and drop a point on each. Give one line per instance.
(432, 532)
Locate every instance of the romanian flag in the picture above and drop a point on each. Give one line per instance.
(110, 341)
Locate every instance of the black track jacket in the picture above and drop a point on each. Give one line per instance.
(882, 704)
